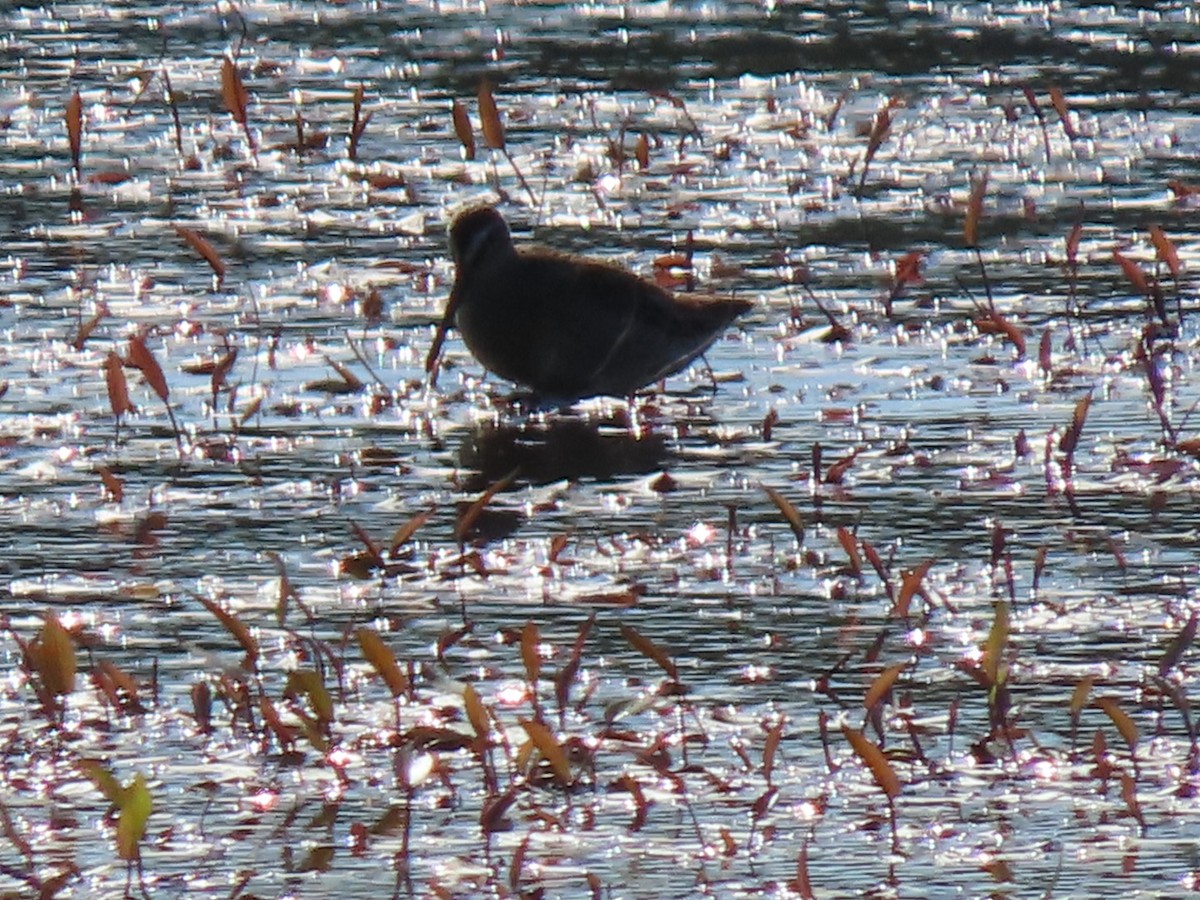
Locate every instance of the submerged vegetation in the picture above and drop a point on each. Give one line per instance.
(905, 605)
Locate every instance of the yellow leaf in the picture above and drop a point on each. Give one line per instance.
(308, 683)
(136, 805)
(104, 780)
(476, 711)
(551, 750)
(997, 640)
(382, 660)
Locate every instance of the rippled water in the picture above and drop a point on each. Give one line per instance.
(756, 118)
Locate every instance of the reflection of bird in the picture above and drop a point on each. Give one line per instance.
(567, 327)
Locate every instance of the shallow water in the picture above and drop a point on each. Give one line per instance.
(756, 119)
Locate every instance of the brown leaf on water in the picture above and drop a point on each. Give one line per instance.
(836, 473)
(849, 542)
(318, 859)
(353, 382)
(1039, 564)
(86, 329)
(113, 485)
(382, 660)
(1070, 438)
(238, 629)
(1182, 190)
(372, 548)
(493, 817)
(118, 686)
(358, 122)
(641, 152)
(449, 640)
(143, 360)
(881, 770)
(1079, 697)
(770, 748)
(53, 657)
(287, 591)
(110, 177)
(466, 521)
(1133, 273)
(911, 581)
(1164, 248)
(871, 552)
(790, 513)
(881, 126)
(1129, 795)
(995, 324)
(118, 387)
(221, 371)
(975, 209)
(908, 269)
(284, 734)
(1073, 245)
(205, 249)
(530, 653)
(882, 685)
(462, 128)
(1125, 725)
(386, 181)
(15, 837)
(801, 884)
(233, 91)
(650, 650)
(74, 117)
(1059, 102)
(565, 676)
(558, 544)
(405, 532)
(251, 411)
(1104, 768)
(489, 117)
(551, 750)
(518, 864)
(201, 695)
(477, 713)
(1178, 646)
(640, 804)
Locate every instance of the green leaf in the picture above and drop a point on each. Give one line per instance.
(136, 805)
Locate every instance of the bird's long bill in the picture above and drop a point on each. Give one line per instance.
(435, 350)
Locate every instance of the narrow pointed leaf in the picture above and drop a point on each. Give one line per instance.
(462, 129)
(882, 685)
(74, 117)
(790, 513)
(143, 360)
(136, 806)
(469, 517)
(881, 770)
(489, 117)
(650, 650)
(382, 660)
(548, 746)
(118, 387)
